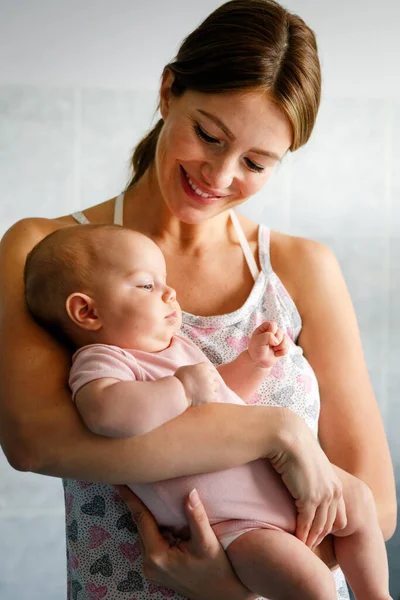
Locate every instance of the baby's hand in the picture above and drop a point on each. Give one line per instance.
(201, 383)
(268, 343)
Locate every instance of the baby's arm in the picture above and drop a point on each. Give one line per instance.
(111, 401)
(116, 408)
(245, 374)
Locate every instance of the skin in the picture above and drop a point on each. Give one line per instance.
(191, 236)
(131, 302)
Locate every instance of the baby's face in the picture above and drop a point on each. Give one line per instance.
(137, 308)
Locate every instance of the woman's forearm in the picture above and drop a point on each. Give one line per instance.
(214, 436)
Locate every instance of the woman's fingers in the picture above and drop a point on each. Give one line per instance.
(150, 537)
(330, 519)
(318, 524)
(340, 521)
(305, 519)
(202, 538)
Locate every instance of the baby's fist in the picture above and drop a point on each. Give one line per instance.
(268, 343)
(201, 383)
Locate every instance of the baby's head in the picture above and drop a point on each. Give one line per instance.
(102, 284)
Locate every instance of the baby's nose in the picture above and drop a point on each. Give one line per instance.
(169, 294)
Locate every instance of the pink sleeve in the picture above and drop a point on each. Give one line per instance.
(98, 361)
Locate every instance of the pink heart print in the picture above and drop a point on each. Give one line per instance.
(69, 500)
(73, 561)
(270, 289)
(153, 589)
(202, 331)
(96, 592)
(97, 536)
(277, 371)
(255, 399)
(85, 484)
(238, 344)
(306, 382)
(130, 551)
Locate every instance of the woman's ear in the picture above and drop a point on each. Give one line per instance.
(82, 311)
(165, 92)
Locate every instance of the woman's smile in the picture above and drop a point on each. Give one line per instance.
(197, 193)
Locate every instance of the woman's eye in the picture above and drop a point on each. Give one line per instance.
(253, 166)
(203, 135)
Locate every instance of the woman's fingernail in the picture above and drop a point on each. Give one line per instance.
(194, 498)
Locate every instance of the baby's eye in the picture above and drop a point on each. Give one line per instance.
(147, 286)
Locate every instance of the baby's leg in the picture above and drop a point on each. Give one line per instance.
(360, 547)
(278, 566)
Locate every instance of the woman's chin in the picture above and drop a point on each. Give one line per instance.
(191, 215)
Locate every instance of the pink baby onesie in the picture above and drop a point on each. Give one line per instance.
(236, 500)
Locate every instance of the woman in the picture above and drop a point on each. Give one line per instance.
(244, 90)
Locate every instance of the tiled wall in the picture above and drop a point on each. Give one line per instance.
(61, 150)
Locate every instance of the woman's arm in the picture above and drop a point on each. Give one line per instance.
(40, 429)
(350, 427)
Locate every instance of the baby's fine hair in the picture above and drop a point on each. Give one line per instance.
(67, 260)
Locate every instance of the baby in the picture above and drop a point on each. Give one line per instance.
(103, 288)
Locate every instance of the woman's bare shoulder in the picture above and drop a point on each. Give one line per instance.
(298, 262)
(20, 238)
(24, 234)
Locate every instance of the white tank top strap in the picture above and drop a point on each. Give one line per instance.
(80, 217)
(248, 254)
(119, 210)
(118, 213)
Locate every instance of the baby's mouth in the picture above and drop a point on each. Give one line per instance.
(172, 315)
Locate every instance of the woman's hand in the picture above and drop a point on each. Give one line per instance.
(197, 568)
(310, 479)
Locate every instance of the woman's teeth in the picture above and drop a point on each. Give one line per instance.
(196, 189)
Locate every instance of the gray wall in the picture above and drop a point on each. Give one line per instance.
(76, 92)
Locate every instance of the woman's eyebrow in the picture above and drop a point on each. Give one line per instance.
(218, 122)
(230, 135)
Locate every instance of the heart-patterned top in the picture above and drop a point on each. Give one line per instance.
(103, 552)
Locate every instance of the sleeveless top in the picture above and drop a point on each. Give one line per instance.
(103, 551)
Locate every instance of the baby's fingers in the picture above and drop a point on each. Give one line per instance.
(279, 336)
(283, 347)
(266, 326)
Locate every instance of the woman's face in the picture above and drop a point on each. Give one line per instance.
(216, 150)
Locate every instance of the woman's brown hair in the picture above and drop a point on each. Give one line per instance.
(247, 44)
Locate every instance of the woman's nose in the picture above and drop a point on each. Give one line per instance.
(219, 172)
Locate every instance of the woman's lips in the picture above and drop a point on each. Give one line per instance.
(193, 195)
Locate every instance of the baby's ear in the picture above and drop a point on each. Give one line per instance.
(82, 311)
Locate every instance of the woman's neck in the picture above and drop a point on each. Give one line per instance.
(146, 211)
